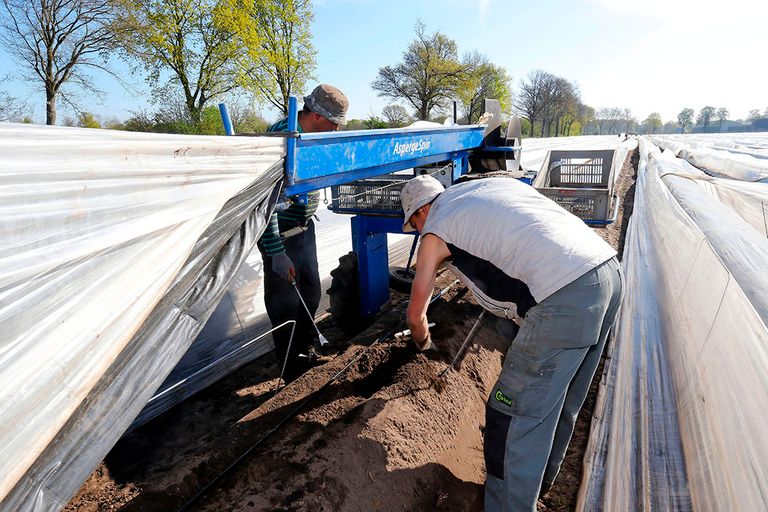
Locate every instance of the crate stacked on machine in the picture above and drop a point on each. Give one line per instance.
(379, 195)
(580, 181)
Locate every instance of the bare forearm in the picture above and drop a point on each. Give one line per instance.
(431, 253)
(419, 328)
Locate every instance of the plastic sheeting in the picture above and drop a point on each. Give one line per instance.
(115, 249)
(679, 421)
(718, 161)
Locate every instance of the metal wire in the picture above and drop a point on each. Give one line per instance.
(226, 356)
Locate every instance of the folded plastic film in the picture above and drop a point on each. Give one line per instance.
(96, 228)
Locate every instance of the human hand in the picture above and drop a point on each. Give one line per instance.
(426, 344)
(283, 266)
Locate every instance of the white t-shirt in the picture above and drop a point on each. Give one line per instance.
(500, 228)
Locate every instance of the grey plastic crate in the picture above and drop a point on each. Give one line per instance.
(580, 181)
(370, 195)
(585, 203)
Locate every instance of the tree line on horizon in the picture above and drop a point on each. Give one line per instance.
(260, 52)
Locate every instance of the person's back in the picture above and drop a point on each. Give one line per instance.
(506, 224)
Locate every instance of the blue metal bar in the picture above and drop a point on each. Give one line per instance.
(303, 186)
(502, 149)
(290, 143)
(331, 158)
(225, 119)
(606, 221)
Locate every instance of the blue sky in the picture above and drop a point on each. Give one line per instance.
(654, 55)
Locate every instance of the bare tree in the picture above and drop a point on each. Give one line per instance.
(427, 77)
(11, 108)
(56, 40)
(396, 116)
(628, 118)
(531, 99)
(563, 99)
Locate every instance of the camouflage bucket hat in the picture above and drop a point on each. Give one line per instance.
(329, 102)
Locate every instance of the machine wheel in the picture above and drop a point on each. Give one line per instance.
(401, 279)
(344, 295)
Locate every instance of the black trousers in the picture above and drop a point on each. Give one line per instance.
(283, 303)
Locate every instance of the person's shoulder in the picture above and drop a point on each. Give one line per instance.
(280, 126)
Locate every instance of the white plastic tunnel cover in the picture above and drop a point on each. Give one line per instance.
(680, 422)
(114, 249)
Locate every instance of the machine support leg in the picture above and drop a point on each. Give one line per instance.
(372, 265)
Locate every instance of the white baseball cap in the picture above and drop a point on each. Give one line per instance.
(416, 193)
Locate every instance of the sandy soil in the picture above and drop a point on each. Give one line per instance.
(382, 436)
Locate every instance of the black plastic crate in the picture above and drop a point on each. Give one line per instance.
(370, 195)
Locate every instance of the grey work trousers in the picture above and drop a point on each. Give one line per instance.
(546, 375)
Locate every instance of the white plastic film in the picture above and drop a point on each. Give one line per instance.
(95, 227)
(710, 155)
(679, 426)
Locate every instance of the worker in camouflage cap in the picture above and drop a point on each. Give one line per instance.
(288, 247)
(328, 102)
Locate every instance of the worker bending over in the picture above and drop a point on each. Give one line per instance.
(525, 259)
(288, 245)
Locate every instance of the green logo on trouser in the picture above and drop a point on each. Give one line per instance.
(501, 397)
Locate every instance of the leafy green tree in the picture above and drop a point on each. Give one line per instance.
(28, 120)
(685, 118)
(525, 127)
(754, 115)
(586, 115)
(355, 124)
(706, 114)
(55, 41)
(278, 58)
(483, 80)
(112, 123)
(374, 123)
(652, 123)
(139, 122)
(185, 45)
(87, 120)
(396, 116)
(428, 76)
(722, 116)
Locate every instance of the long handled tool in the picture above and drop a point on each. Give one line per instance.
(463, 345)
(323, 341)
